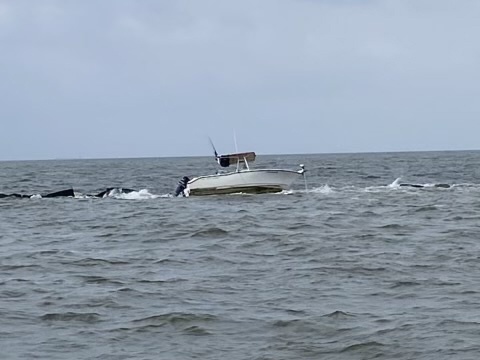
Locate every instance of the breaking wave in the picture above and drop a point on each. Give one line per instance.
(134, 195)
(119, 193)
(324, 189)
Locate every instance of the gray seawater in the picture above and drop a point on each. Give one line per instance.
(355, 267)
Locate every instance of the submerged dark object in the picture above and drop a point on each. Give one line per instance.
(68, 193)
(62, 193)
(182, 185)
(446, 186)
(14, 195)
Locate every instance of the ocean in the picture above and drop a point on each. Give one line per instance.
(355, 266)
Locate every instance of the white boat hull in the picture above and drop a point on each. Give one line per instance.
(244, 181)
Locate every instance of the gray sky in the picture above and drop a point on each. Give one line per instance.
(134, 78)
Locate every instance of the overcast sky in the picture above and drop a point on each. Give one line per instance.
(135, 78)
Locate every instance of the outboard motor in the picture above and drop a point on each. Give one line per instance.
(182, 185)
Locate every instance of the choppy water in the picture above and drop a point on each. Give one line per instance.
(356, 267)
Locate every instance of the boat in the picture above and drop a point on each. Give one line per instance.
(242, 180)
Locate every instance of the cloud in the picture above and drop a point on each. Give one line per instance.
(340, 75)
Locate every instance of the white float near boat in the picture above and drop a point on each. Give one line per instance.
(242, 180)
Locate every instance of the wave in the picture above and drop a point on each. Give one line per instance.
(100, 280)
(209, 232)
(325, 189)
(162, 281)
(17, 267)
(457, 323)
(427, 208)
(136, 195)
(196, 331)
(120, 193)
(189, 323)
(175, 318)
(183, 322)
(339, 315)
(404, 283)
(362, 346)
(96, 261)
(72, 316)
(11, 294)
(393, 226)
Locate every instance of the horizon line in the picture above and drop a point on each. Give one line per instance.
(260, 154)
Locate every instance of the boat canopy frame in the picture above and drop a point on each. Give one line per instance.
(238, 158)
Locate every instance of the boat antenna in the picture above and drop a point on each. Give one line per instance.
(213, 147)
(235, 140)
